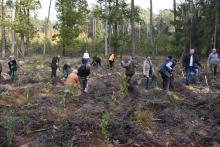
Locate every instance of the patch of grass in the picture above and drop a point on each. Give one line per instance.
(4, 94)
(110, 143)
(143, 116)
(123, 88)
(30, 66)
(8, 121)
(30, 101)
(104, 124)
(113, 100)
(97, 94)
(61, 98)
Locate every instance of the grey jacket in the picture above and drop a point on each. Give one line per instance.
(213, 58)
(146, 68)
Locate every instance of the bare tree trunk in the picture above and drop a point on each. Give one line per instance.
(3, 28)
(106, 28)
(46, 29)
(12, 27)
(174, 13)
(151, 27)
(133, 27)
(216, 24)
(22, 45)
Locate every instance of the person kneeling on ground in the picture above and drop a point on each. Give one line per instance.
(83, 73)
(213, 61)
(148, 71)
(96, 61)
(72, 82)
(12, 64)
(54, 66)
(166, 72)
(66, 70)
(129, 66)
(111, 60)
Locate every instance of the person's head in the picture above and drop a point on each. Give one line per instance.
(11, 57)
(169, 57)
(192, 51)
(174, 60)
(130, 57)
(148, 57)
(58, 56)
(213, 50)
(74, 71)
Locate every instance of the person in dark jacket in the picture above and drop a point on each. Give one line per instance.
(12, 64)
(83, 73)
(129, 66)
(166, 70)
(66, 70)
(190, 63)
(96, 61)
(54, 66)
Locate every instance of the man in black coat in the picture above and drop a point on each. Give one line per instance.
(190, 63)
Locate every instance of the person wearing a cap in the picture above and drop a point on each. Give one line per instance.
(12, 64)
(54, 66)
(66, 70)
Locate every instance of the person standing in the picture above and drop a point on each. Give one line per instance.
(85, 58)
(54, 66)
(148, 71)
(190, 63)
(12, 64)
(111, 60)
(213, 61)
(129, 66)
(166, 70)
(83, 73)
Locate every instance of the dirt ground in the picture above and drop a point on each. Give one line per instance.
(36, 113)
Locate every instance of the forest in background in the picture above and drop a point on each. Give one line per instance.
(123, 26)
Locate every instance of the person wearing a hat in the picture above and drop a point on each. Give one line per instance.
(12, 64)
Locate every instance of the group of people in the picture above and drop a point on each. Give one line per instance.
(190, 64)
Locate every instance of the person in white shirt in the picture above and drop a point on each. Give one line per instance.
(190, 63)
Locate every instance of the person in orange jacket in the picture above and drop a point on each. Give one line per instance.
(72, 81)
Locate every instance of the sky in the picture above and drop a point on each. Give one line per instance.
(157, 5)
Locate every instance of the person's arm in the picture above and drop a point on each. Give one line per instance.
(168, 65)
(144, 68)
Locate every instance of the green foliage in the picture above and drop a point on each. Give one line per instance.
(123, 88)
(8, 121)
(104, 123)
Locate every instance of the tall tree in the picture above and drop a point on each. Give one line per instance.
(151, 27)
(133, 26)
(3, 28)
(46, 28)
(174, 14)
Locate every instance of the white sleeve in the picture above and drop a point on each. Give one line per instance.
(168, 65)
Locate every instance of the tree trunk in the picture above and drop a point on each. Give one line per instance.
(132, 27)
(106, 28)
(22, 45)
(3, 28)
(174, 14)
(12, 27)
(46, 29)
(216, 24)
(116, 32)
(151, 27)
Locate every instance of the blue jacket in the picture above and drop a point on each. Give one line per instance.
(213, 58)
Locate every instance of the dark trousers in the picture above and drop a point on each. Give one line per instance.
(54, 72)
(13, 75)
(111, 64)
(191, 74)
(128, 78)
(166, 81)
(214, 68)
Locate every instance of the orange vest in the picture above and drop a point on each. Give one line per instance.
(72, 80)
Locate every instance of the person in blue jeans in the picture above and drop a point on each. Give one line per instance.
(66, 70)
(12, 64)
(83, 73)
(190, 64)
